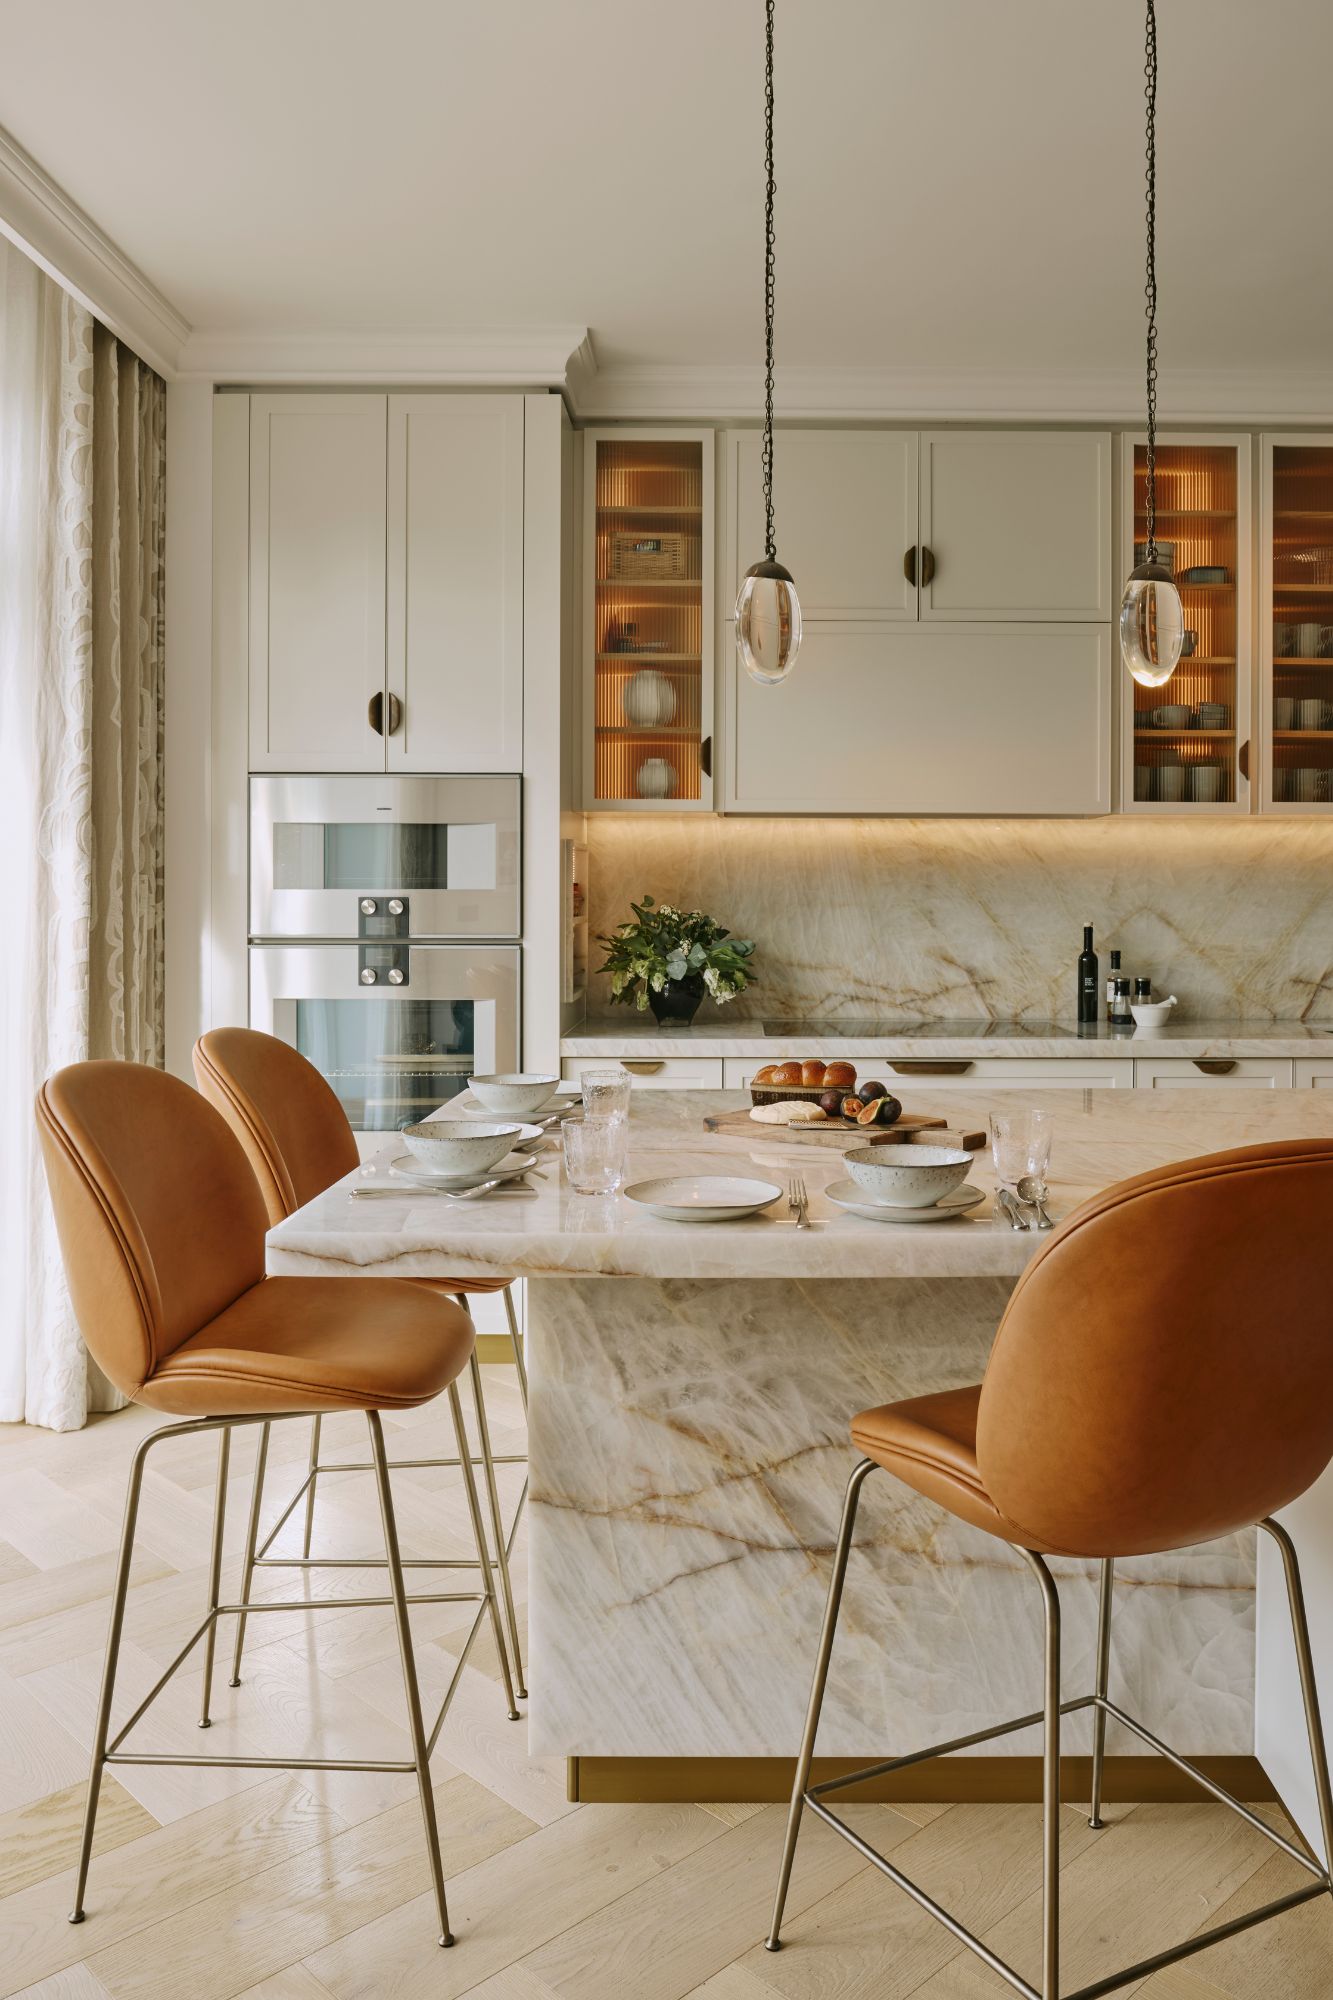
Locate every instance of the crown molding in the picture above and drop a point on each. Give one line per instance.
(57, 235)
(474, 356)
(735, 394)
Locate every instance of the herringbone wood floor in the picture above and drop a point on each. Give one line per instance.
(298, 1887)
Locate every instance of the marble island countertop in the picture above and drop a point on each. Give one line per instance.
(721, 1035)
(1100, 1138)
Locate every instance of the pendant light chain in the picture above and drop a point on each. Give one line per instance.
(770, 545)
(1150, 289)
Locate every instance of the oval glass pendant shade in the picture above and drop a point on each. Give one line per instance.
(1152, 625)
(768, 623)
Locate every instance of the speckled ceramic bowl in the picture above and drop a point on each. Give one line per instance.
(908, 1176)
(452, 1146)
(515, 1096)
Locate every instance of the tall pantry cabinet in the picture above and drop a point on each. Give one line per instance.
(386, 582)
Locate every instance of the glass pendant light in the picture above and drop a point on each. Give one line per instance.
(768, 611)
(1152, 619)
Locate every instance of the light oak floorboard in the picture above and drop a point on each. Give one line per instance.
(76, 1983)
(296, 1983)
(41, 1838)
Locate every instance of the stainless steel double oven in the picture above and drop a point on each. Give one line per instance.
(384, 928)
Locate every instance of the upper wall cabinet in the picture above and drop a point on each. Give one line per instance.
(846, 506)
(317, 528)
(455, 611)
(1296, 626)
(386, 583)
(1015, 524)
(948, 526)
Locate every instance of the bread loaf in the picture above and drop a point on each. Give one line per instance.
(792, 1113)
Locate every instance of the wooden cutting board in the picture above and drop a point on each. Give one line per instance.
(913, 1127)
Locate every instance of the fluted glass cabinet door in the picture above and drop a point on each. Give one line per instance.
(1296, 625)
(1186, 748)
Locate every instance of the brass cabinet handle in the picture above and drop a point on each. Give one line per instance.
(375, 713)
(937, 1067)
(909, 565)
(706, 756)
(1243, 758)
(641, 1068)
(1215, 1065)
(393, 714)
(927, 565)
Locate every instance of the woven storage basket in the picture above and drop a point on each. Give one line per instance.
(642, 558)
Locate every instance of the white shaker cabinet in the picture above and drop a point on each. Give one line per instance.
(455, 583)
(901, 719)
(925, 1073)
(1314, 1073)
(386, 583)
(653, 1072)
(1212, 1072)
(1015, 524)
(845, 514)
(317, 535)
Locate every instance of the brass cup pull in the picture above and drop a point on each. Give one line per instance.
(393, 714)
(641, 1068)
(909, 565)
(1215, 1065)
(706, 756)
(938, 1067)
(927, 565)
(375, 713)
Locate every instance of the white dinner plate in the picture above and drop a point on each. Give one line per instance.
(404, 1167)
(703, 1197)
(846, 1194)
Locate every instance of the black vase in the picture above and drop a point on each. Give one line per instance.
(678, 1002)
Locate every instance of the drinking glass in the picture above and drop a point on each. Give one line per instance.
(606, 1092)
(595, 1150)
(1020, 1143)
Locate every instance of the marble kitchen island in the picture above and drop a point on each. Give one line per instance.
(691, 1387)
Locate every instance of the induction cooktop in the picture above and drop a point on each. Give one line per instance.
(913, 1027)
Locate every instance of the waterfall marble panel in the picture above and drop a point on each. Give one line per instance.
(689, 1451)
(983, 918)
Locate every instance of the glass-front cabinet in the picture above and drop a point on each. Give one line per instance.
(1185, 747)
(1296, 624)
(648, 620)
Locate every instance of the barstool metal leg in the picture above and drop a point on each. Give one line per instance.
(1050, 1800)
(416, 1726)
(109, 1664)
(805, 1756)
(1103, 1688)
(315, 1429)
(251, 1542)
(1300, 1627)
(479, 1536)
(215, 1574)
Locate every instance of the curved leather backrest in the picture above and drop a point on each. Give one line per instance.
(1164, 1370)
(160, 1221)
(288, 1119)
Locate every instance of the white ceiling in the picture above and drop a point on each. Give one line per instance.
(960, 181)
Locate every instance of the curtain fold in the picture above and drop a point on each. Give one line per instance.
(82, 486)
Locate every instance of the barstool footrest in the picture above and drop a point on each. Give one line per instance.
(813, 1798)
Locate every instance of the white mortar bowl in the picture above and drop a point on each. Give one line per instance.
(515, 1096)
(908, 1176)
(455, 1146)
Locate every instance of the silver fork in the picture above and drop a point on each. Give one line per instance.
(798, 1202)
(518, 1182)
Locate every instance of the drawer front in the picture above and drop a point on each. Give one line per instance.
(654, 1073)
(1314, 1073)
(966, 1073)
(1212, 1073)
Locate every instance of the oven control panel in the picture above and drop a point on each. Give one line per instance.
(383, 965)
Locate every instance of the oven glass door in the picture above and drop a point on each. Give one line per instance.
(447, 849)
(393, 1053)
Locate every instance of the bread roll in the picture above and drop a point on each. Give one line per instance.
(764, 1075)
(812, 1075)
(840, 1075)
(797, 1112)
(787, 1072)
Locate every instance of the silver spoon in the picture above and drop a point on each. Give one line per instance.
(1033, 1192)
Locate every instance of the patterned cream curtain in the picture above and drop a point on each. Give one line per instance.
(82, 483)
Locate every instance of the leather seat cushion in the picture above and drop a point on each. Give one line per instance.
(311, 1344)
(930, 1443)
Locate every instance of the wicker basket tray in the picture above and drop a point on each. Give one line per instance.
(645, 557)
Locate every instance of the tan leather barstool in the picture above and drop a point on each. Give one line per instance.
(162, 1229)
(296, 1137)
(1163, 1374)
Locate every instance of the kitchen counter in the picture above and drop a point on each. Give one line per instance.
(718, 1035)
(688, 1448)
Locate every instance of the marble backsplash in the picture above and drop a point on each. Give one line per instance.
(984, 918)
